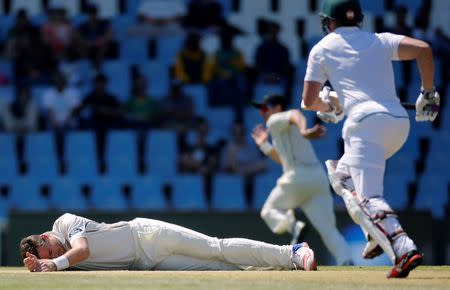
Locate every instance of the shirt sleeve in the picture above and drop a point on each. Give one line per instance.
(315, 70)
(278, 122)
(391, 42)
(70, 226)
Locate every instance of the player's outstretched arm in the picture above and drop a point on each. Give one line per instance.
(261, 137)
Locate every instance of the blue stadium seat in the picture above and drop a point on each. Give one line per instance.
(107, 195)
(8, 159)
(188, 193)
(401, 164)
(221, 120)
(80, 156)
(6, 22)
(252, 117)
(134, 50)
(147, 194)
(168, 47)
(161, 153)
(107, 8)
(32, 8)
(157, 75)
(228, 193)
(413, 6)
(327, 148)
(264, 184)
(25, 195)
(432, 195)
(40, 156)
(396, 190)
(117, 72)
(262, 89)
(7, 94)
(199, 96)
(376, 7)
(66, 195)
(121, 155)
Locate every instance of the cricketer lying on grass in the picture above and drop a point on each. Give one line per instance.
(146, 244)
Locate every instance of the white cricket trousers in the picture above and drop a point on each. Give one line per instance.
(165, 246)
(306, 188)
(369, 142)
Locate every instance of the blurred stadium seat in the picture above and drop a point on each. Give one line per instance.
(80, 156)
(161, 153)
(228, 193)
(25, 195)
(32, 7)
(107, 195)
(121, 155)
(147, 194)
(65, 195)
(8, 158)
(40, 156)
(264, 183)
(188, 193)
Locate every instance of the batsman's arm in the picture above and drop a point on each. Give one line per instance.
(311, 100)
(77, 254)
(410, 49)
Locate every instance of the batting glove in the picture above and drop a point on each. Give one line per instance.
(427, 105)
(332, 116)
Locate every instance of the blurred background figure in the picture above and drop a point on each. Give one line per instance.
(33, 61)
(200, 156)
(60, 102)
(272, 59)
(177, 109)
(97, 37)
(204, 16)
(22, 115)
(239, 156)
(228, 85)
(141, 110)
(191, 63)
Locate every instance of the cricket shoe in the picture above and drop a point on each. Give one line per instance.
(297, 231)
(303, 257)
(405, 264)
(339, 182)
(372, 250)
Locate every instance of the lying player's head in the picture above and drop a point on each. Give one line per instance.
(42, 246)
(336, 13)
(271, 104)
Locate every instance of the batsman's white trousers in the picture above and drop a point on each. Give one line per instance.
(306, 188)
(165, 246)
(369, 142)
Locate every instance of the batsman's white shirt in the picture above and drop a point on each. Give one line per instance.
(147, 244)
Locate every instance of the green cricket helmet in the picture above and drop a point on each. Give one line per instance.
(344, 12)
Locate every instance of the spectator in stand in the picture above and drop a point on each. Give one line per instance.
(141, 110)
(204, 16)
(60, 103)
(32, 60)
(103, 112)
(22, 114)
(200, 157)
(177, 109)
(159, 17)
(242, 158)
(272, 59)
(228, 85)
(58, 32)
(97, 37)
(191, 64)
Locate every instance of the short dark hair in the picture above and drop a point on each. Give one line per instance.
(30, 244)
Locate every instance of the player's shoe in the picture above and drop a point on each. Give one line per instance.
(297, 231)
(405, 264)
(372, 250)
(339, 182)
(303, 257)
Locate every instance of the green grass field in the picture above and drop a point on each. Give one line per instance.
(335, 278)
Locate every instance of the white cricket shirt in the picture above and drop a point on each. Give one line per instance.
(111, 246)
(293, 149)
(358, 65)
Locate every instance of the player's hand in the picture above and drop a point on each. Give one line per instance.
(260, 134)
(30, 261)
(427, 105)
(316, 132)
(331, 117)
(45, 265)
